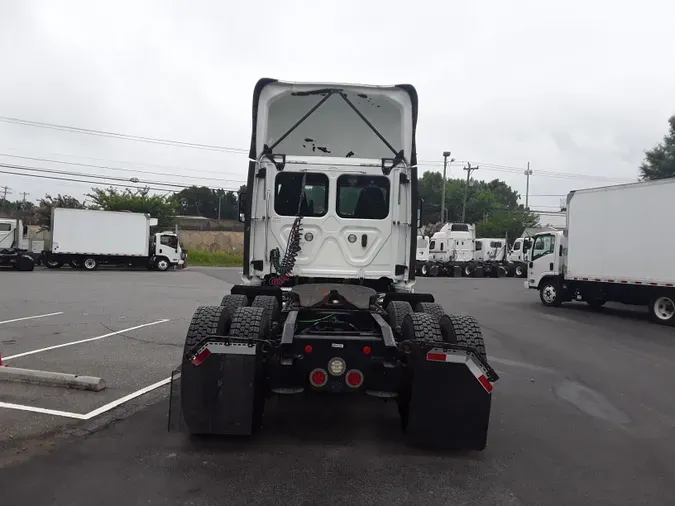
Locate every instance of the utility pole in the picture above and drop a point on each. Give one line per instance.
(7, 190)
(528, 173)
(24, 196)
(468, 170)
(220, 196)
(446, 154)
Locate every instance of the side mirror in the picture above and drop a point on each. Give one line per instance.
(242, 207)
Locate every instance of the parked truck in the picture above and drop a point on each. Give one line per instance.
(518, 256)
(594, 260)
(14, 245)
(85, 238)
(326, 305)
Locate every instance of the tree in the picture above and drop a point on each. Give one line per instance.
(660, 160)
(492, 206)
(162, 207)
(43, 212)
(206, 202)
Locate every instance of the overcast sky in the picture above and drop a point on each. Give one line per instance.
(574, 87)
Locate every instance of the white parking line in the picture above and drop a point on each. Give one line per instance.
(96, 412)
(44, 411)
(72, 343)
(31, 317)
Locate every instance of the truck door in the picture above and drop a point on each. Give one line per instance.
(543, 259)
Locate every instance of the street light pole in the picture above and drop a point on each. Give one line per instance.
(528, 173)
(446, 154)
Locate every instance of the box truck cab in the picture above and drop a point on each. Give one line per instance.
(14, 244)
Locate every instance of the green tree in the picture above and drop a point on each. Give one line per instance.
(659, 161)
(43, 211)
(162, 207)
(505, 223)
(204, 201)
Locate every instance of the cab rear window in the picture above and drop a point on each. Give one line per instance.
(288, 189)
(363, 197)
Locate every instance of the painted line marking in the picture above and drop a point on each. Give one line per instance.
(92, 414)
(72, 343)
(44, 411)
(30, 317)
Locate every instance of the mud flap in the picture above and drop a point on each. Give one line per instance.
(456, 271)
(219, 396)
(450, 400)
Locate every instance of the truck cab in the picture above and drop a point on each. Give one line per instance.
(13, 234)
(453, 242)
(489, 249)
(546, 264)
(166, 248)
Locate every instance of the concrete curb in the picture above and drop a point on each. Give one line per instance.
(57, 379)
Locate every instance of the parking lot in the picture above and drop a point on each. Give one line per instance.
(583, 412)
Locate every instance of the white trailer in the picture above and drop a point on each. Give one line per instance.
(594, 261)
(86, 238)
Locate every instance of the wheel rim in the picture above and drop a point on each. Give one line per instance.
(163, 265)
(519, 270)
(425, 270)
(467, 271)
(549, 293)
(90, 263)
(664, 308)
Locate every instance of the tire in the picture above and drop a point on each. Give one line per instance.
(550, 294)
(467, 271)
(434, 270)
(520, 271)
(431, 308)
(425, 269)
(53, 264)
(397, 310)
(206, 321)
(662, 309)
(90, 264)
(232, 302)
(271, 306)
(25, 263)
(421, 327)
(466, 331)
(250, 323)
(162, 264)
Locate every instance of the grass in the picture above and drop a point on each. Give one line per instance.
(215, 258)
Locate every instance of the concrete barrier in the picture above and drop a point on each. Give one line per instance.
(57, 379)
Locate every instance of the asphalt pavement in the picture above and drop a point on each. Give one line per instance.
(582, 414)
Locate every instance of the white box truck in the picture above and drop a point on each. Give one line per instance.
(600, 256)
(87, 238)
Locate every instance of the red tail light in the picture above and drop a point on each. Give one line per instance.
(308, 348)
(366, 350)
(318, 378)
(354, 378)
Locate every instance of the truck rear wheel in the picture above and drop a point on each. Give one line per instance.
(550, 293)
(434, 270)
(467, 271)
(232, 302)
(431, 308)
(662, 309)
(520, 271)
(53, 264)
(425, 269)
(25, 263)
(466, 332)
(397, 310)
(271, 306)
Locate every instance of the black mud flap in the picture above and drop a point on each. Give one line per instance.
(456, 271)
(219, 396)
(450, 400)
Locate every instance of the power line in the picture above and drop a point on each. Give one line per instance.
(116, 135)
(49, 160)
(97, 176)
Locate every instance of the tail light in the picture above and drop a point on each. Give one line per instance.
(318, 378)
(354, 378)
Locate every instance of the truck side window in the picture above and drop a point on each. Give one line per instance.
(5, 227)
(363, 197)
(516, 246)
(441, 246)
(432, 245)
(479, 245)
(288, 189)
(543, 245)
(169, 240)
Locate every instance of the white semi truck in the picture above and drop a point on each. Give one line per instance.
(14, 245)
(593, 261)
(86, 238)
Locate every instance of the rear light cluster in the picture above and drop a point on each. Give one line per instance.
(336, 367)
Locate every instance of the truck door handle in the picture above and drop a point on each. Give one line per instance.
(160, 250)
(364, 240)
(531, 265)
(550, 266)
